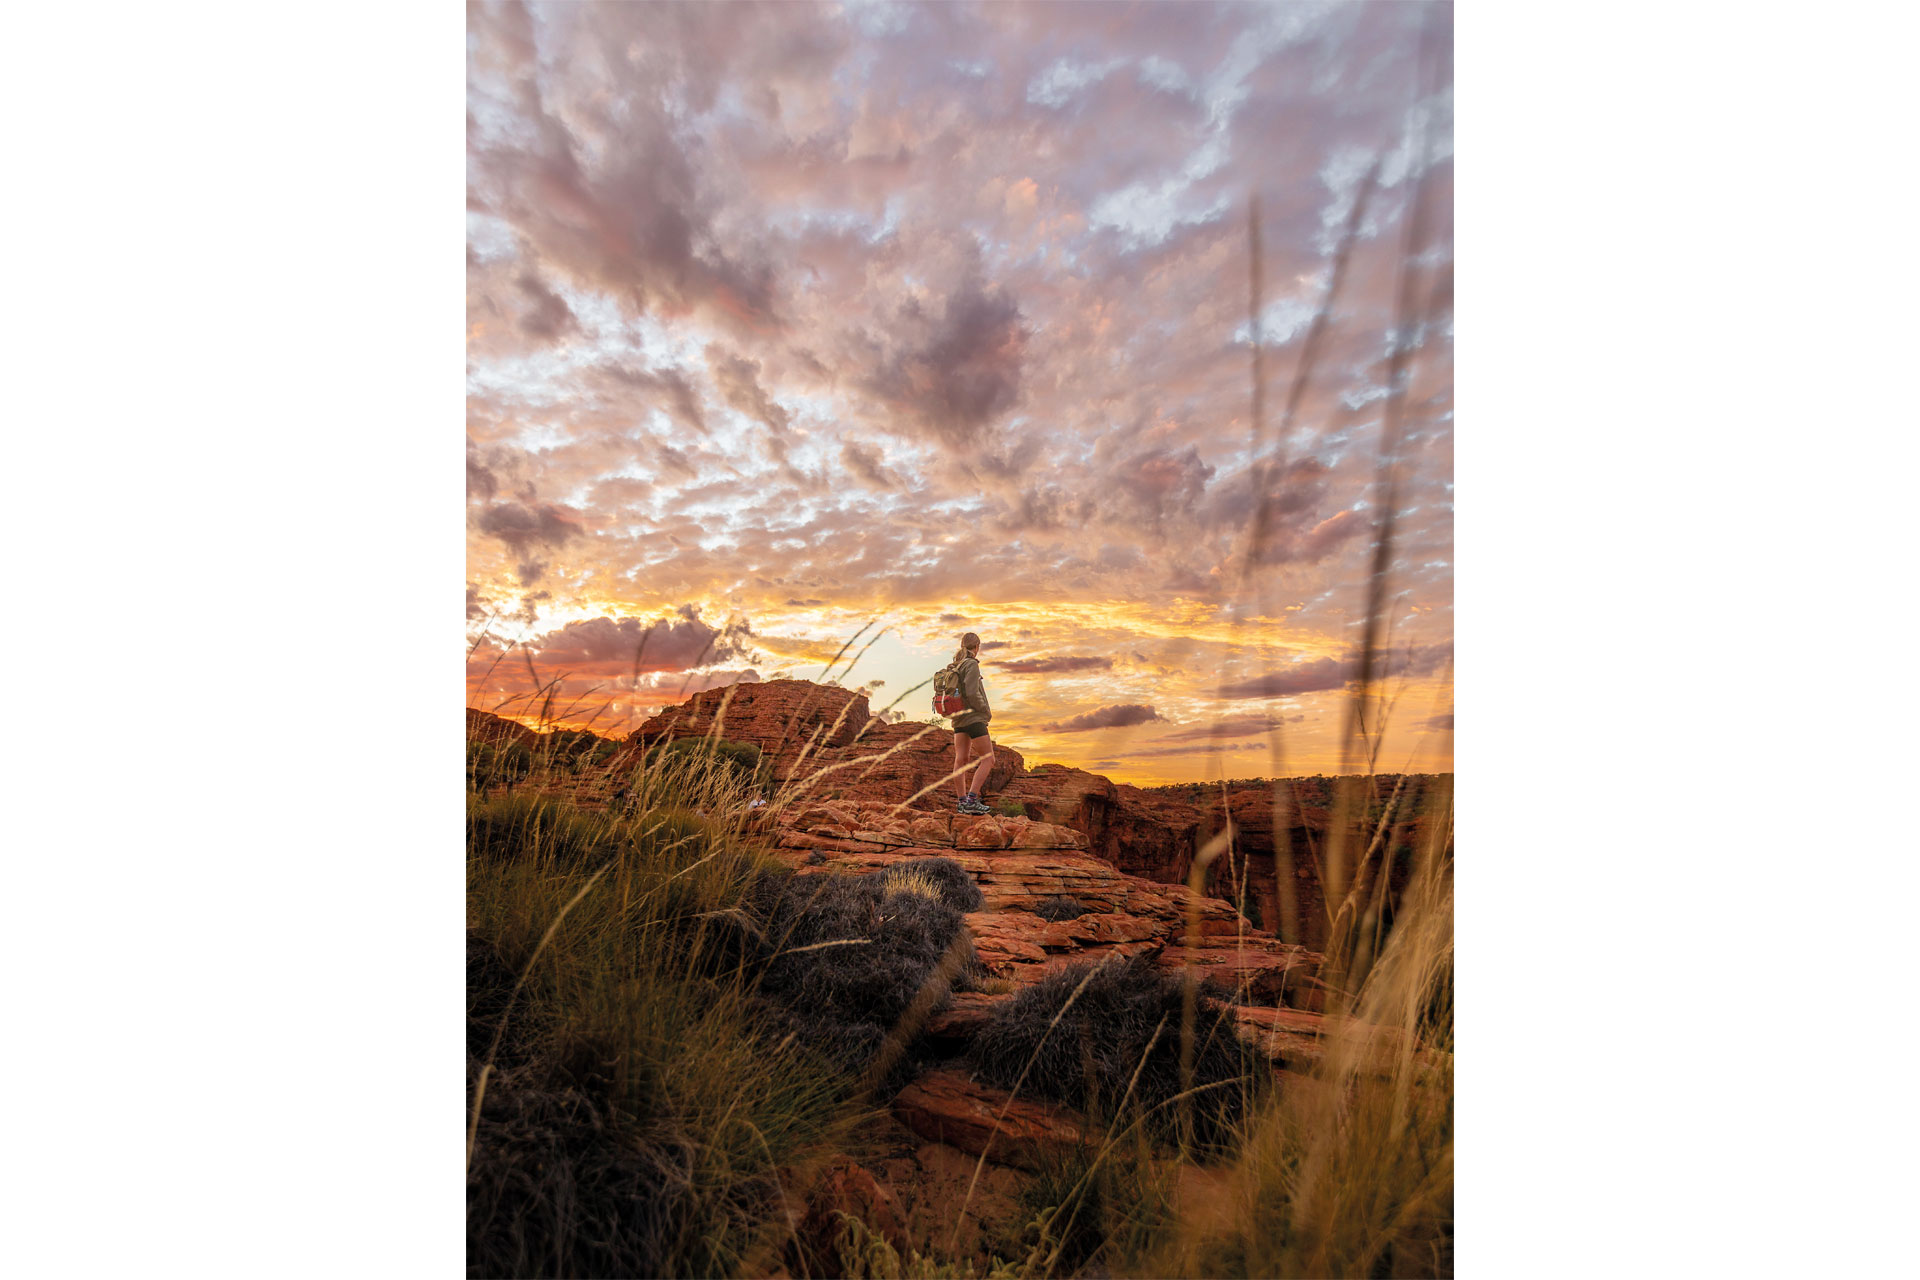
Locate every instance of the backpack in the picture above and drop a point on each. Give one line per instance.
(946, 691)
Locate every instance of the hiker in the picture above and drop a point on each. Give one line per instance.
(970, 740)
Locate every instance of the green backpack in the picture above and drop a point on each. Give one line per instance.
(947, 700)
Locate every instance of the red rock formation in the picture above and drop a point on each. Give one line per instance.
(946, 1106)
(484, 726)
(1122, 914)
(1142, 834)
(806, 729)
(828, 750)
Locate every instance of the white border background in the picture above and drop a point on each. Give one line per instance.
(1685, 355)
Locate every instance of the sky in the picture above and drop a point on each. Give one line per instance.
(791, 324)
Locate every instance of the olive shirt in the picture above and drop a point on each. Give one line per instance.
(974, 693)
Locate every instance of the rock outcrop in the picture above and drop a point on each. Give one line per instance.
(1019, 865)
(947, 1106)
(829, 742)
(1025, 870)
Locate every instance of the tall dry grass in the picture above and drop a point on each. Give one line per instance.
(631, 1103)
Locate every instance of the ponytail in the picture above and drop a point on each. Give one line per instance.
(968, 642)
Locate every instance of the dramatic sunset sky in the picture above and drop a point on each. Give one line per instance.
(789, 320)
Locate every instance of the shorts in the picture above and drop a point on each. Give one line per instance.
(972, 730)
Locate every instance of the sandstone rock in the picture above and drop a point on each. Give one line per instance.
(1301, 1041)
(965, 1015)
(1290, 1037)
(930, 830)
(981, 834)
(852, 1191)
(1141, 833)
(938, 1180)
(1259, 969)
(945, 1106)
(1005, 952)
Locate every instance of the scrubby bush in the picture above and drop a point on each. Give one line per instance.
(560, 1188)
(1008, 808)
(956, 887)
(480, 756)
(493, 764)
(1107, 1033)
(513, 764)
(1059, 907)
(840, 960)
(742, 759)
(895, 944)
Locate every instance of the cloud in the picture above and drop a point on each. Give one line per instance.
(739, 381)
(676, 686)
(956, 372)
(677, 392)
(522, 527)
(1037, 666)
(547, 314)
(621, 492)
(1303, 677)
(790, 305)
(610, 646)
(865, 463)
(1113, 717)
(1439, 722)
(476, 603)
(481, 482)
(1323, 538)
(1228, 727)
(1419, 660)
(634, 220)
(801, 648)
(1162, 482)
(1208, 749)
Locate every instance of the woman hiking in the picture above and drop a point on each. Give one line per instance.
(970, 740)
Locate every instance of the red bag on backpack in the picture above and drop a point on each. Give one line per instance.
(946, 692)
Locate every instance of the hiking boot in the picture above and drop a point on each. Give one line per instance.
(970, 803)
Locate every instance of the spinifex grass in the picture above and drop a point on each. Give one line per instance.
(634, 1102)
